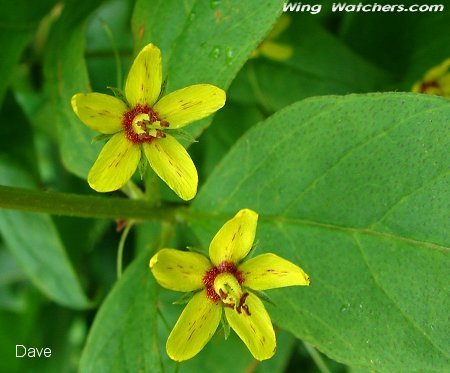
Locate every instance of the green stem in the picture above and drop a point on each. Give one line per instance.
(68, 204)
(163, 319)
(122, 241)
(110, 36)
(321, 365)
(264, 105)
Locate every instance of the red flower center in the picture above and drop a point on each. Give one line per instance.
(137, 124)
(210, 276)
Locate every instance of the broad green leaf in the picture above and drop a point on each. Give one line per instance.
(203, 41)
(123, 337)
(66, 74)
(18, 20)
(229, 124)
(11, 277)
(35, 244)
(355, 190)
(32, 239)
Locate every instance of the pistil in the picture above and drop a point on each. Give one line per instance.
(223, 283)
(228, 288)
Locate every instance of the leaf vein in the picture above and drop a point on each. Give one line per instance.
(347, 154)
(286, 137)
(405, 197)
(350, 230)
(393, 301)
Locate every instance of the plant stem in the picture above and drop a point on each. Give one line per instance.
(110, 36)
(122, 241)
(264, 105)
(320, 363)
(68, 204)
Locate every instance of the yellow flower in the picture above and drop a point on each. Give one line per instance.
(436, 81)
(223, 283)
(269, 47)
(143, 124)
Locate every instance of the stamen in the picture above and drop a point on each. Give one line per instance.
(222, 294)
(138, 122)
(242, 303)
(160, 134)
(245, 308)
(425, 86)
(230, 292)
(212, 273)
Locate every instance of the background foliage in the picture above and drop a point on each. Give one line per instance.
(348, 171)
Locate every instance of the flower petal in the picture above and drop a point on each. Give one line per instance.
(235, 239)
(256, 329)
(438, 71)
(102, 113)
(276, 51)
(194, 328)
(280, 26)
(269, 271)
(179, 270)
(170, 160)
(189, 104)
(144, 79)
(115, 165)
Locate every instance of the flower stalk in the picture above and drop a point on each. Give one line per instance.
(68, 204)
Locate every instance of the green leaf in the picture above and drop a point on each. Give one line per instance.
(12, 294)
(218, 35)
(183, 135)
(101, 137)
(118, 93)
(66, 74)
(123, 337)
(225, 326)
(221, 135)
(35, 244)
(264, 296)
(355, 190)
(18, 20)
(33, 239)
(185, 298)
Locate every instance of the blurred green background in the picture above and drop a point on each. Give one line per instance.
(48, 51)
